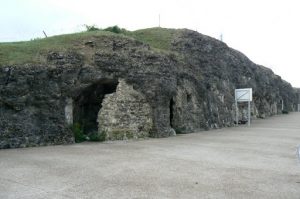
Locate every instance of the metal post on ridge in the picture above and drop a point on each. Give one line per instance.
(159, 20)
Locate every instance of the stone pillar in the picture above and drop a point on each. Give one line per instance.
(69, 111)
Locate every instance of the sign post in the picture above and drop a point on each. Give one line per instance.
(243, 95)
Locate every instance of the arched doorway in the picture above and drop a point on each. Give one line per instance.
(88, 103)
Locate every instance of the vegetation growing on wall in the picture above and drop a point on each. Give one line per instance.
(80, 135)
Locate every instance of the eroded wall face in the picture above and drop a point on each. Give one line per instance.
(125, 114)
(187, 114)
(34, 110)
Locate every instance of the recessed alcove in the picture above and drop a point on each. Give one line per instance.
(88, 103)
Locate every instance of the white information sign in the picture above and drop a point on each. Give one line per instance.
(243, 95)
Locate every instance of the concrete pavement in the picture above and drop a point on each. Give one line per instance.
(239, 162)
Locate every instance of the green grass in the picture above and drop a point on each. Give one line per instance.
(97, 137)
(78, 133)
(160, 38)
(35, 51)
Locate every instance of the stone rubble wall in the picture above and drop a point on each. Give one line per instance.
(125, 114)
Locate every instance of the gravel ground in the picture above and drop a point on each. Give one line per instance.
(239, 162)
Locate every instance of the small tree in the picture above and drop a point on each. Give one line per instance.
(115, 29)
(91, 28)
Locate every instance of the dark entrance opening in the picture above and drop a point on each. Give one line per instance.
(171, 112)
(88, 103)
(188, 98)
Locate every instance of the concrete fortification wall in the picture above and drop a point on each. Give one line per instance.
(123, 87)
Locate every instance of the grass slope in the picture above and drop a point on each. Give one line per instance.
(160, 38)
(14, 53)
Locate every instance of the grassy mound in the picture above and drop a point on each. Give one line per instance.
(14, 53)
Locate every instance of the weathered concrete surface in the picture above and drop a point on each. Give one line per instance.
(188, 86)
(256, 162)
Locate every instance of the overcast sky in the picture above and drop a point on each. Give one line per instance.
(267, 31)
